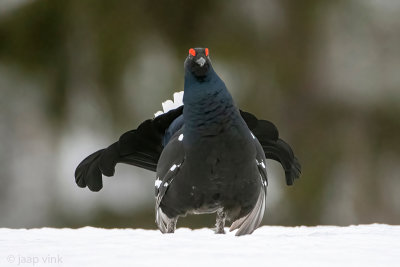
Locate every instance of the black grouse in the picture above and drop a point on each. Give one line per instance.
(209, 156)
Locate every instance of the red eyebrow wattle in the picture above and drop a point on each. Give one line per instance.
(192, 52)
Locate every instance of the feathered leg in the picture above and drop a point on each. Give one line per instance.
(221, 217)
(171, 225)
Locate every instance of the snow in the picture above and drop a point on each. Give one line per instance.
(363, 245)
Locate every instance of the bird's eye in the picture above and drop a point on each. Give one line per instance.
(192, 52)
(206, 52)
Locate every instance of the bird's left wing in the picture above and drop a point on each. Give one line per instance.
(141, 147)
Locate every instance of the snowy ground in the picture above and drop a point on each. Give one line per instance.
(364, 245)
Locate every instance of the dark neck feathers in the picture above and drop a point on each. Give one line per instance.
(209, 109)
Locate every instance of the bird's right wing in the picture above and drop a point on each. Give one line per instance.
(141, 147)
(274, 147)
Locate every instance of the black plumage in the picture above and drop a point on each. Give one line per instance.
(209, 155)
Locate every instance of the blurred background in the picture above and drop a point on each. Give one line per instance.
(75, 75)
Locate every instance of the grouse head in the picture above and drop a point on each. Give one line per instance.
(198, 62)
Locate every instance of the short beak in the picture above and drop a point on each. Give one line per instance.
(201, 61)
